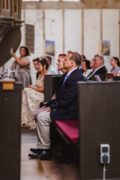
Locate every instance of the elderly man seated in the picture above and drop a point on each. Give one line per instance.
(99, 71)
(64, 107)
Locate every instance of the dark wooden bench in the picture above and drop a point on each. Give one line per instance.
(99, 123)
(66, 133)
(10, 132)
(51, 82)
(68, 129)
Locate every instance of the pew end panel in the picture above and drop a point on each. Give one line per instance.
(10, 132)
(99, 123)
(51, 82)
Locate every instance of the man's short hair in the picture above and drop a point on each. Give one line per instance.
(101, 58)
(75, 56)
(96, 55)
(70, 52)
(36, 60)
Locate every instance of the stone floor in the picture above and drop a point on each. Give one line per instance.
(42, 170)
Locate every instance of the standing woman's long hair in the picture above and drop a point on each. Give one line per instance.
(27, 50)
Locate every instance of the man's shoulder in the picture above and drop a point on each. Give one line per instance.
(77, 75)
(102, 70)
(76, 71)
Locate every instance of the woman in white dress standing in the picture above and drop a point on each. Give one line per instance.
(32, 96)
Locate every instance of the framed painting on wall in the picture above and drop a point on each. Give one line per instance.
(50, 48)
(104, 47)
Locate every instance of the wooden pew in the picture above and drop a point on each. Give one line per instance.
(51, 82)
(99, 123)
(66, 134)
(10, 123)
(69, 130)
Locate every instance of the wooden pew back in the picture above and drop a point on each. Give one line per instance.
(99, 123)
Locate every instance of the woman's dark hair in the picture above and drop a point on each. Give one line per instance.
(27, 51)
(44, 62)
(49, 58)
(117, 60)
(87, 63)
(83, 57)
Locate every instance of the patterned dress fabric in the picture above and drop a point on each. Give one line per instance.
(30, 103)
(23, 72)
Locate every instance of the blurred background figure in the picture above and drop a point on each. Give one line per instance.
(35, 63)
(78, 58)
(92, 64)
(36, 66)
(32, 96)
(85, 64)
(51, 69)
(22, 65)
(83, 57)
(60, 63)
(99, 69)
(115, 63)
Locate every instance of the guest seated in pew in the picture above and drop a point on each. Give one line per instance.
(61, 71)
(78, 59)
(115, 63)
(85, 64)
(60, 64)
(51, 69)
(32, 96)
(64, 107)
(36, 66)
(83, 57)
(100, 69)
(35, 63)
(92, 64)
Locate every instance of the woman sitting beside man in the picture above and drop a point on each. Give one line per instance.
(32, 96)
(85, 64)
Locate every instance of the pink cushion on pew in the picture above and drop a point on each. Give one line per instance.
(70, 128)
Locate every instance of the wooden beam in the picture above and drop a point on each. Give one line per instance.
(52, 5)
(83, 4)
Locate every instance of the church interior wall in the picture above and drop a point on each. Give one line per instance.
(73, 29)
